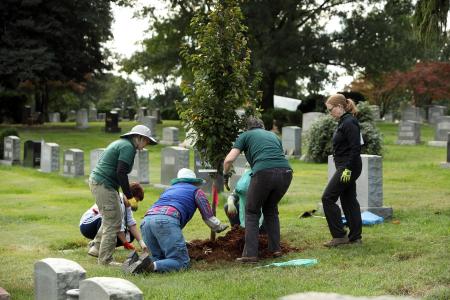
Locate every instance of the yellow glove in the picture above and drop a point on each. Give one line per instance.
(346, 174)
(133, 204)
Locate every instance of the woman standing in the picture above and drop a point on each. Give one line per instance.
(347, 141)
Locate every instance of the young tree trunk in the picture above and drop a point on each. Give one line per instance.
(268, 86)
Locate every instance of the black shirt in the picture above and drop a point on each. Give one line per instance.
(347, 141)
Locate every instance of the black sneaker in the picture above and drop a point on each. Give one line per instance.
(132, 258)
(143, 265)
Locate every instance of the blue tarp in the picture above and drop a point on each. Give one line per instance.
(368, 218)
(294, 263)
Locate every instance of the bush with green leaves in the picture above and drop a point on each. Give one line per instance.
(319, 137)
(3, 134)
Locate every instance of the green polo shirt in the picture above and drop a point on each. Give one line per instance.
(106, 168)
(262, 148)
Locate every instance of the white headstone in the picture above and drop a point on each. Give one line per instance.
(292, 141)
(109, 288)
(434, 112)
(190, 139)
(442, 128)
(49, 157)
(140, 171)
(369, 185)
(11, 152)
(309, 119)
(53, 277)
(170, 136)
(92, 114)
(82, 119)
(73, 164)
(54, 117)
(95, 157)
(408, 133)
(172, 160)
(240, 165)
(141, 113)
(411, 113)
(150, 122)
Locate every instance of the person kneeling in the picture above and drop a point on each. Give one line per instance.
(163, 223)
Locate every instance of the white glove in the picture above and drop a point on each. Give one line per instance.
(143, 246)
(215, 224)
(231, 211)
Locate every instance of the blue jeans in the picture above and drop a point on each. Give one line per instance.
(162, 234)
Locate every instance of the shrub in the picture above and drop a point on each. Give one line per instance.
(169, 113)
(3, 134)
(365, 114)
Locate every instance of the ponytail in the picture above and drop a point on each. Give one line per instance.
(351, 107)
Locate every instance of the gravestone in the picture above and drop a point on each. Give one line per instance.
(434, 112)
(411, 113)
(172, 160)
(73, 164)
(408, 133)
(92, 114)
(49, 157)
(240, 165)
(170, 136)
(71, 116)
(82, 119)
(309, 119)
(26, 114)
(292, 141)
(190, 139)
(54, 117)
(109, 288)
(150, 122)
(101, 116)
(142, 112)
(53, 277)
(11, 154)
(156, 112)
(4, 295)
(131, 112)
(369, 185)
(95, 157)
(112, 122)
(119, 112)
(140, 171)
(388, 117)
(375, 109)
(442, 128)
(207, 186)
(32, 154)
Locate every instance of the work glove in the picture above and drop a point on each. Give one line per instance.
(346, 174)
(128, 246)
(231, 211)
(143, 246)
(226, 179)
(133, 204)
(215, 224)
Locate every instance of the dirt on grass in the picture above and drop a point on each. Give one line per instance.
(230, 246)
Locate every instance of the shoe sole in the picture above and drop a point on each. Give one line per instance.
(131, 259)
(143, 265)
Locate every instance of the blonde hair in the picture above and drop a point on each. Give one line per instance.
(339, 99)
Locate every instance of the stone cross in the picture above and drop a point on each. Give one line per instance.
(140, 171)
(32, 154)
(369, 185)
(170, 136)
(94, 157)
(73, 162)
(292, 141)
(82, 119)
(172, 160)
(109, 288)
(12, 149)
(53, 277)
(49, 157)
(409, 133)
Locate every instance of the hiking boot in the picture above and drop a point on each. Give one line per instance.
(143, 265)
(93, 251)
(247, 259)
(131, 259)
(337, 242)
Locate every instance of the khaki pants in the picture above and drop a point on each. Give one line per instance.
(108, 203)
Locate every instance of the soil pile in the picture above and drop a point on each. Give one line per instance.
(230, 246)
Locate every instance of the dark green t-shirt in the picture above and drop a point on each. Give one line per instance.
(105, 170)
(262, 148)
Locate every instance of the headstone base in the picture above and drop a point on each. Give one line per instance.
(437, 143)
(445, 165)
(385, 212)
(9, 162)
(406, 142)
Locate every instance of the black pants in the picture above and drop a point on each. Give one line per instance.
(266, 189)
(350, 205)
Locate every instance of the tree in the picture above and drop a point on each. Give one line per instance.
(51, 42)
(430, 20)
(219, 62)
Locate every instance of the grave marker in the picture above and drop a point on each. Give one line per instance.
(49, 157)
(140, 171)
(11, 154)
(109, 288)
(309, 119)
(95, 156)
(32, 154)
(112, 122)
(172, 160)
(170, 136)
(73, 162)
(292, 141)
(409, 133)
(82, 119)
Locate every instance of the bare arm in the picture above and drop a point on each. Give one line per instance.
(229, 159)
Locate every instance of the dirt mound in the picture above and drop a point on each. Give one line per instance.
(230, 246)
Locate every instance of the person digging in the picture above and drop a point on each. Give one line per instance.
(162, 226)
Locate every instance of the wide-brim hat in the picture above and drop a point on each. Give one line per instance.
(188, 176)
(141, 130)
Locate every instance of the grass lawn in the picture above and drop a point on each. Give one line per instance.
(408, 255)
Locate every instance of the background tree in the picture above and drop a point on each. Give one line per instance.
(221, 82)
(430, 20)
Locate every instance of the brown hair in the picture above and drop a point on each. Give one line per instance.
(137, 191)
(347, 104)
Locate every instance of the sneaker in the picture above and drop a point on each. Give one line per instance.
(132, 258)
(91, 243)
(337, 242)
(93, 251)
(114, 264)
(143, 265)
(247, 259)
(356, 242)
